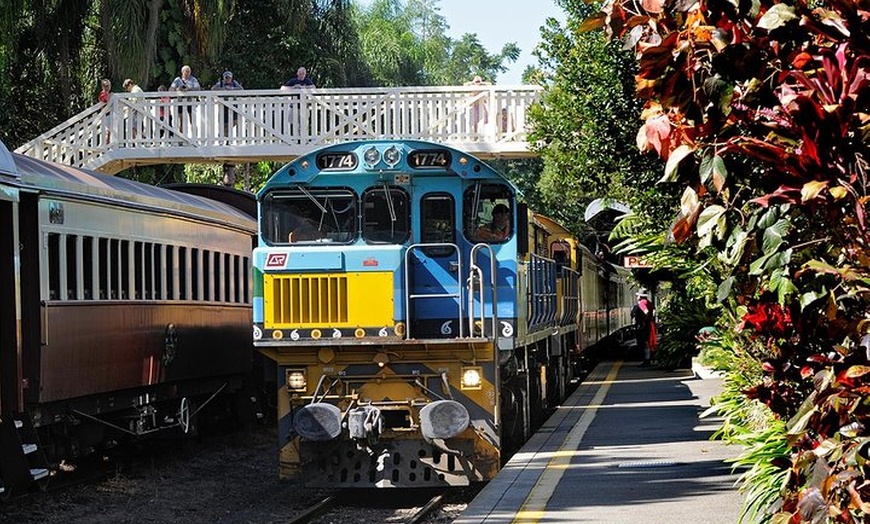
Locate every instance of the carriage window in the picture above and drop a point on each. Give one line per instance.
(171, 272)
(148, 286)
(159, 271)
(487, 213)
(194, 274)
(308, 216)
(437, 223)
(386, 215)
(115, 264)
(138, 271)
(103, 268)
(228, 277)
(183, 277)
(237, 279)
(53, 266)
(246, 280)
(206, 275)
(216, 274)
(72, 262)
(125, 269)
(88, 267)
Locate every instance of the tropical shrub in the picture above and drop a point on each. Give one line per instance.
(761, 111)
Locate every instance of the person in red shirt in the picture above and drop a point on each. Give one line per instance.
(103, 97)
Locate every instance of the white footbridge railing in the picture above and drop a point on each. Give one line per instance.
(248, 126)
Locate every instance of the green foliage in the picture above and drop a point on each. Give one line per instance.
(585, 125)
(682, 314)
(405, 43)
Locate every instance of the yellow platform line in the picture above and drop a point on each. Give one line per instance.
(535, 505)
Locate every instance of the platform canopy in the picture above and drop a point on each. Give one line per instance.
(600, 206)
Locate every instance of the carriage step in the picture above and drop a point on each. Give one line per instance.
(28, 448)
(38, 473)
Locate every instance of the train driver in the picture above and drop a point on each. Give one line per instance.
(499, 228)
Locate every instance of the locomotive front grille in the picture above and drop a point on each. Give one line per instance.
(303, 299)
(328, 300)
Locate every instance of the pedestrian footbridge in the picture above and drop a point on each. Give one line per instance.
(248, 126)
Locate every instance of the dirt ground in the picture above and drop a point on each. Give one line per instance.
(227, 479)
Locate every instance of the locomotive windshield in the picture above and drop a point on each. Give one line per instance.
(486, 212)
(386, 215)
(300, 215)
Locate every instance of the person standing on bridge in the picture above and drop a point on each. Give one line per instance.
(103, 97)
(300, 80)
(480, 101)
(228, 83)
(131, 87)
(182, 84)
(290, 121)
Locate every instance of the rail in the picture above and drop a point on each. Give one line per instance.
(247, 126)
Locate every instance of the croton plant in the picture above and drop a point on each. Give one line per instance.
(761, 110)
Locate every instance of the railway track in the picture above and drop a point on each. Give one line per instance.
(377, 508)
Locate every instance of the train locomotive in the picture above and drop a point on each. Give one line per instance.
(423, 321)
(125, 312)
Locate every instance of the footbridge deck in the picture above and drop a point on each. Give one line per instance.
(247, 126)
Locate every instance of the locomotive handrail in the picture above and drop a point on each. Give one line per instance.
(542, 291)
(268, 124)
(473, 271)
(570, 296)
(407, 279)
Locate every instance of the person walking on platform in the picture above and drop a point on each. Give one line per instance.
(645, 328)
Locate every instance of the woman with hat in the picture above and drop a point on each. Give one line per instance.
(645, 329)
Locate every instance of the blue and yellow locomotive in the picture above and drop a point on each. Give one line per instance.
(422, 320)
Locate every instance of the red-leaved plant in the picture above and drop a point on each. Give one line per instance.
(762, 112)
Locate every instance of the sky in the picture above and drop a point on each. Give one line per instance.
(497, 22)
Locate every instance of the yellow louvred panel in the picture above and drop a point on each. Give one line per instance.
(328, 300)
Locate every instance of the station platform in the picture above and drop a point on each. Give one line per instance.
(627, 446)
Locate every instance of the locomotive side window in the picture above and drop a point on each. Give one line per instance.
(437, 223)
(300, 215)
(487, 213)
(561, 253)
(386, 215)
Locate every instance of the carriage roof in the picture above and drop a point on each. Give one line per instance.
(44, 177)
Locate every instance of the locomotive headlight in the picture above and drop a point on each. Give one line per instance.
(392, 156)
(297, 380)
(372, 156)
(471, 378)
